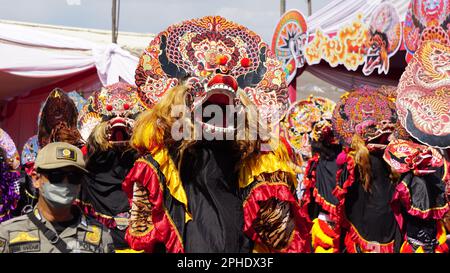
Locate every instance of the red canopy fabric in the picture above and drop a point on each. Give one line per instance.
(19, 117)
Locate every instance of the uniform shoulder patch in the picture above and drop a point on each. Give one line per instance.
(94, 237)
(16, 237)
(24, 241)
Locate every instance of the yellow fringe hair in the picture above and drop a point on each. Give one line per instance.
(362, 161)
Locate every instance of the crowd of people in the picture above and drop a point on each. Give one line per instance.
(345, 177)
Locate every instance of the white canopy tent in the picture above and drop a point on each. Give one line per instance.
(36, 58)
(341, 12)
(32, 51)
(334, 16)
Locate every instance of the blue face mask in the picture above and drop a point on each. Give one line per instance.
(61, 194)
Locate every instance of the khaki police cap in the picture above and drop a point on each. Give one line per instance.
(58, 155)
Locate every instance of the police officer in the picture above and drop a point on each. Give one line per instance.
(55, 225)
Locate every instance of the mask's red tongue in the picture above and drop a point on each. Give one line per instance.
(219, 99)
(118, 129)
(118, 135)
(384, 138)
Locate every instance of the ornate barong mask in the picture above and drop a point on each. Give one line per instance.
(305, 120)
(114, 108)
(322, 131)
(58, 121)
(404, 156)
(426, 20)
(376, 134)
(423, 95)
(9, 175)
(217, 59)
(367, 112)
(11, 156)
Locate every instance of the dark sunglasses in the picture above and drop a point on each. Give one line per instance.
(56, 177)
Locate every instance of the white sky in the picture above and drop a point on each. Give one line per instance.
(151, 16)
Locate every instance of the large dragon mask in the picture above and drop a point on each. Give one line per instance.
(11, 156)
(215, 57)
(58, 120)
(367, 112)
(423, 95)
(302, 121)
(116, 107)
(404, 156)
(426, 20)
